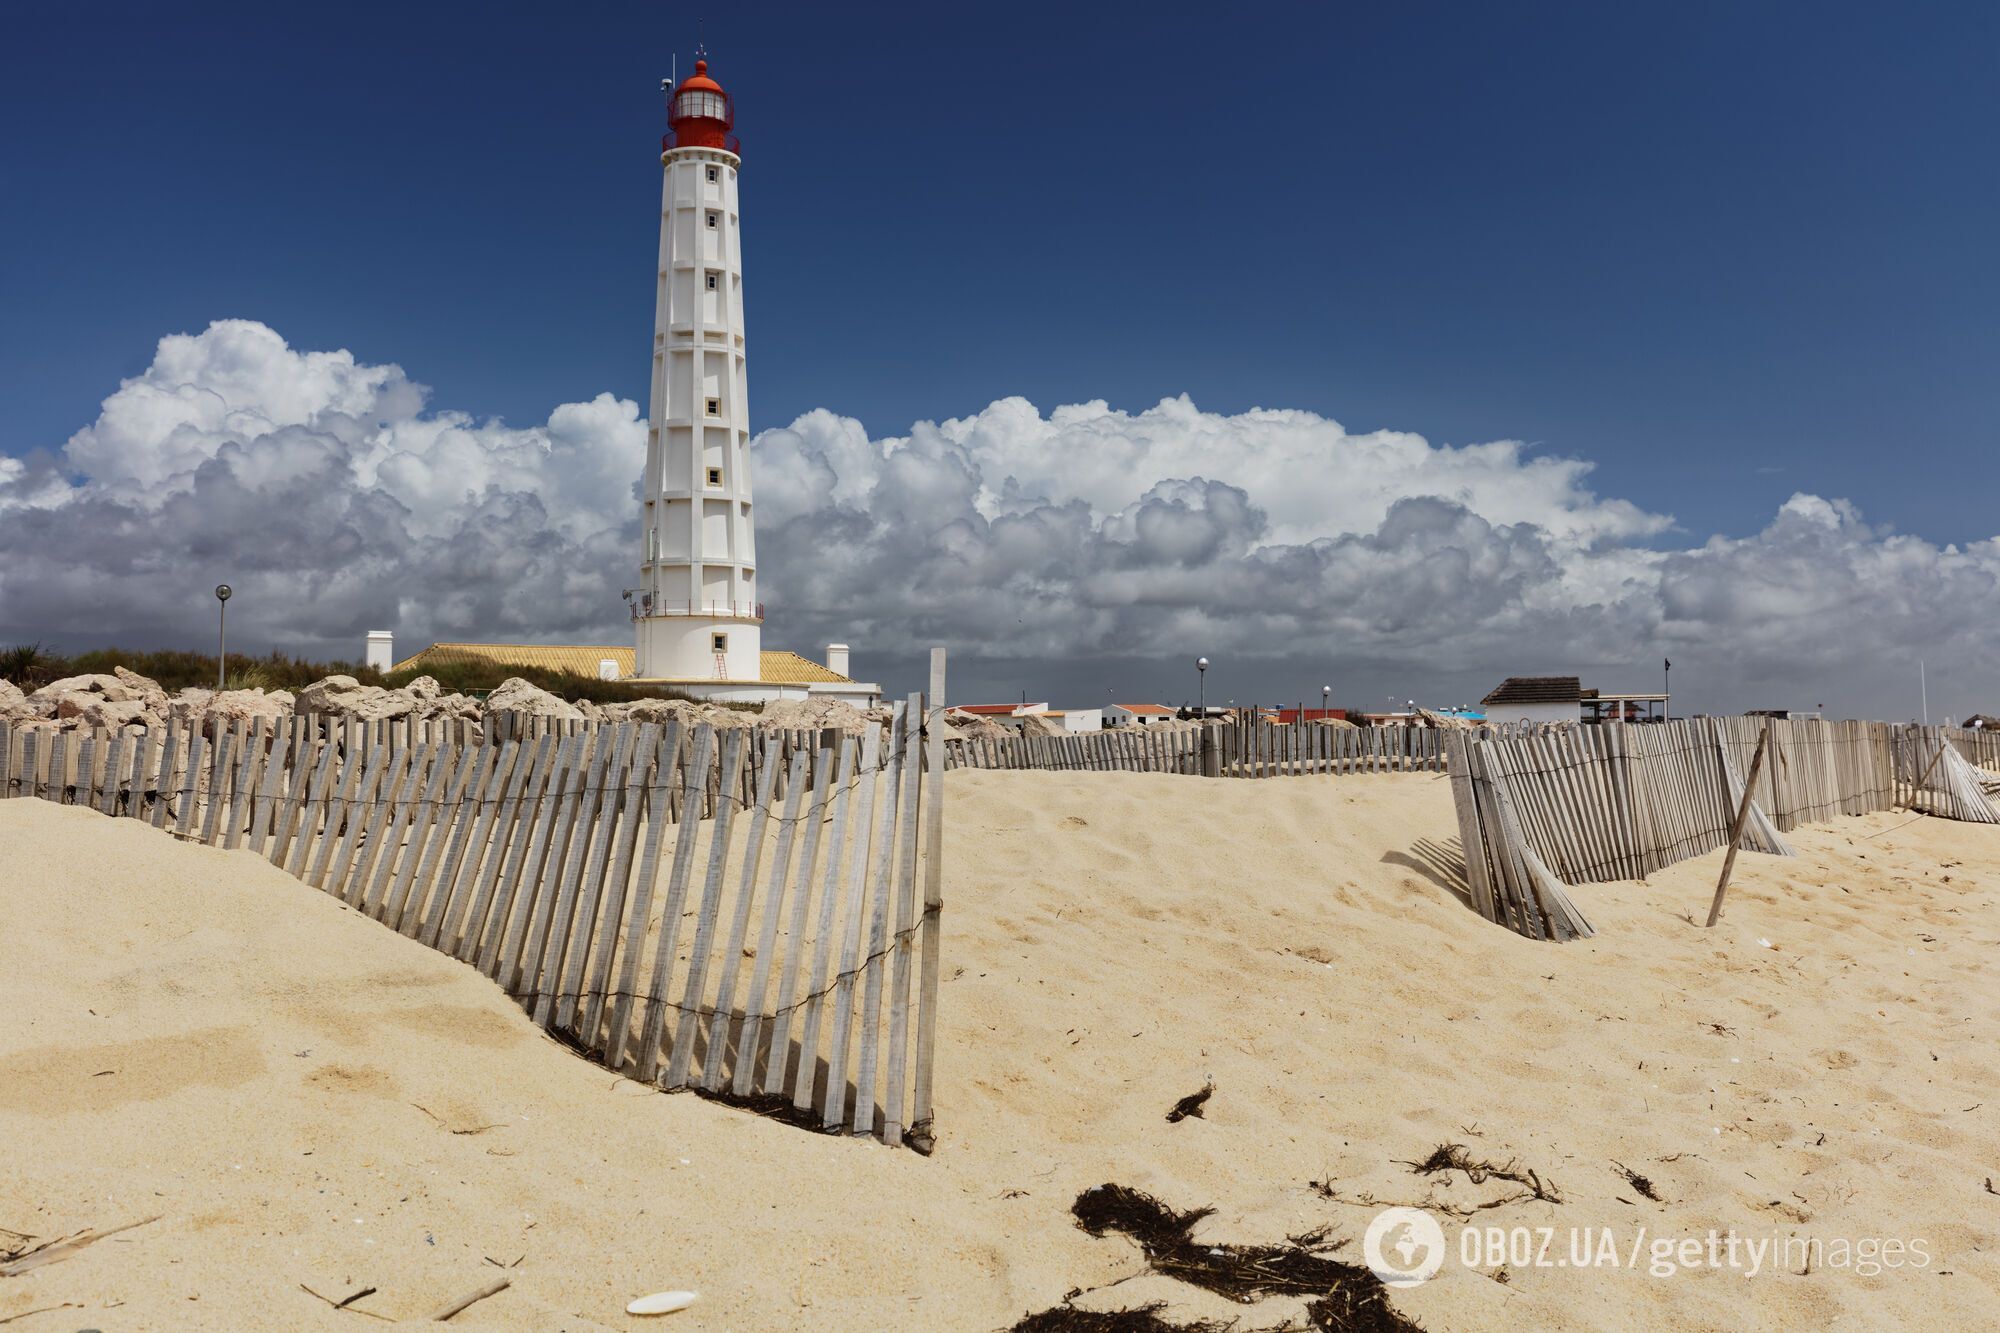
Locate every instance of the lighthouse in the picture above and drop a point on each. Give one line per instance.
(696, 612)
(698, 623)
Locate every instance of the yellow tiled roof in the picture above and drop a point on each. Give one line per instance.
(781, 667)
(578, 659)
(777, 666)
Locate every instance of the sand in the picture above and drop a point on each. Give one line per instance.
(306, 1100)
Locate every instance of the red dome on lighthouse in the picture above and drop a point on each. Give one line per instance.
(701, 113)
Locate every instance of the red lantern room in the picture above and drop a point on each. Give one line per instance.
(701, 114)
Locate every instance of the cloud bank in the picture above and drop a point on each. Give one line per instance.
(336, 502)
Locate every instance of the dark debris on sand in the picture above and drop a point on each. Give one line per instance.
(1191, 1105)
(1346, 1298)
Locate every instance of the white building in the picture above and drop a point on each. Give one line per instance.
(1535, 699)
(696, 611)
(697, 620)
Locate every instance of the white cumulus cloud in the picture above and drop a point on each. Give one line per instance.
(337, 501)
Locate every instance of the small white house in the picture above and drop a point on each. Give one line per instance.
(1137, 715)
(1077, 719)
(1535, 699)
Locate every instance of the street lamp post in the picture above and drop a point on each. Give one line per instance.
(1325, 702)
(1201, 687)
(222, 592)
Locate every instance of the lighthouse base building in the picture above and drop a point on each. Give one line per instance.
(698, 622)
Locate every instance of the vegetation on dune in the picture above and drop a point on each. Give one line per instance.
(30, 666)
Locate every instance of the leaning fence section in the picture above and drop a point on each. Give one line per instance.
(754, 915)
(1540, 812)
(1950, 771)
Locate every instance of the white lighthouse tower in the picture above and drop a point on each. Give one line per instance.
(696, 611)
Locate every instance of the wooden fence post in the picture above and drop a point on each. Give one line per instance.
(1736, 828)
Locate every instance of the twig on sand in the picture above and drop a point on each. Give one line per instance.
(41, 1309)
(493, 1288)
(57, 1250)
(347, 1303)
(475, 1129)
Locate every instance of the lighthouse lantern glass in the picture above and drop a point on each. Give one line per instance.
(702, 105)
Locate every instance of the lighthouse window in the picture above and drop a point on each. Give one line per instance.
(711, 175)
(715, 476)
(718, 643)
(711, 221)
(711, 282)
(715, 407)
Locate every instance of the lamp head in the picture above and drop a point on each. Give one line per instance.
(223, 592)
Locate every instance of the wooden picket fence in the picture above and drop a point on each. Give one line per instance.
(1236, 749)
(1135, 749)
(1979, 746)
(1950, 771)
(541, 860)
(1541, 812)
(1260, 749)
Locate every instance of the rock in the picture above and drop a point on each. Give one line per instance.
(346, 697)
(149, 691)
(1035, 724)
(215, 710)
(591, 712)
(76, 691)
(424, 687)
(815, 715)
(14, 705)
(974, 727)
(189, 705)
(247, 705)
(451, 708)
(663, 711)
(518, 696)
(115, 715)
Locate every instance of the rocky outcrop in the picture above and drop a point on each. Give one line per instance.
(110, 702)
(114, 715)
(347, 698)
(451, 708)
(518, 697)
(215, 710)
(14, 705)
(662, 711)
(1035, 724)
(69, 696)
(971, 726)
(148, 691)
(189, 705)
(248, 705)
(424, 687)
(818, 715)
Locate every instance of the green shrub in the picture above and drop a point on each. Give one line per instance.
(31, 667)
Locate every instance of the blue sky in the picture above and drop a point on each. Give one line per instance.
(1724, 252)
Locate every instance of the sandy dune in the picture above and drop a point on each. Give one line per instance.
(307, 1100)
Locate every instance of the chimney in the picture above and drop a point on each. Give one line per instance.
(836, 658)
(381, 649)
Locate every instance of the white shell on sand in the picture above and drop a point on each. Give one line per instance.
(663, 1302)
